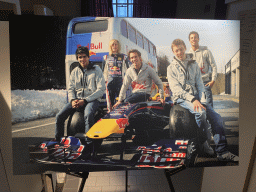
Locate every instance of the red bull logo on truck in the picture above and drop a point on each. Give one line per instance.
(91, 53)
(92, 46)
(93, 50)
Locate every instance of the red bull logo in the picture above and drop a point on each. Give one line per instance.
(91, 53)
(65, 141)
(155, 159)
(42, 145)
(115, 68)
(122, 122)
(92, 46)
(182, 155)
(136, 85)
(181, 142)
(115, 71)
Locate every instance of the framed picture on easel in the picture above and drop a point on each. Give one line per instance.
(155, 132)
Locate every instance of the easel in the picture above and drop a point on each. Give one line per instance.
(250, 167)
(48, 185)
(169, 173)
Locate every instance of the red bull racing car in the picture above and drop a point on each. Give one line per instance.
(133, 135)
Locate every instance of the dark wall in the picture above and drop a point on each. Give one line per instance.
(163, 8)
(59, 8)
(37, 51)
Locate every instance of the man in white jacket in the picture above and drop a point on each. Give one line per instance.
(139, 76)
(206, 62)
(86, 87)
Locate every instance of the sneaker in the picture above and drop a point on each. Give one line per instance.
(207, 149)
(228, 157)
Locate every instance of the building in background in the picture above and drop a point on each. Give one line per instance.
(232, 75)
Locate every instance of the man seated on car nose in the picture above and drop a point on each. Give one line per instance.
(139, 76)
(185, 81)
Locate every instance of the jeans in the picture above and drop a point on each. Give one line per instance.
(89, 111)
(113, 89)
(215, 120)
(137, 97)
(208, 94)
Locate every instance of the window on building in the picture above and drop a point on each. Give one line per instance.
(154, 51)
(123, 8)
(151, 48)
(146, 47)
(131, 33)
(140, 39)
(124, 28)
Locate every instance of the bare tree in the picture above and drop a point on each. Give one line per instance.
(163, 63)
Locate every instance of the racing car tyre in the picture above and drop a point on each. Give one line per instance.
(182, 123)
(76, 124)
(76, 121)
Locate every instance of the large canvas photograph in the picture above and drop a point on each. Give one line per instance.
(100, 94)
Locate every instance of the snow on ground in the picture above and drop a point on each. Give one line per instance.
(33, 104)
(223, 93)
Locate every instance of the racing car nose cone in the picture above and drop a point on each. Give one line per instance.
(104, 128)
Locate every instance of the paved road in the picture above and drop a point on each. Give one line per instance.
(30, 133)
(228, 108)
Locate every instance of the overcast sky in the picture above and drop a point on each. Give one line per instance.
(222, 37)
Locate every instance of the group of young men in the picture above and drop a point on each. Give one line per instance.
(190, 77)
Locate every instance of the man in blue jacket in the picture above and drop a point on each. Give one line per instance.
(185, 81)
(86, 87)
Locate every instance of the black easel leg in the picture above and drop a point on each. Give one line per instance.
(84, 176)
(123, 145)
(47, 183)
(126, 180)
(169, 180)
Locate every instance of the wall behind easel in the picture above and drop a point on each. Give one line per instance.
(233, 178)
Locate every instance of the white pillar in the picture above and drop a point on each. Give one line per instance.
(233, 83)
(237, 82)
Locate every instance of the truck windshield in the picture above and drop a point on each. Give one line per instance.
(91, 26)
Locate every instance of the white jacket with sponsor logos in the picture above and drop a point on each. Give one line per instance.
(185, 83)
(206, 62)
(86, 84)
(141, 82)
